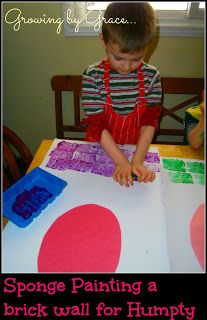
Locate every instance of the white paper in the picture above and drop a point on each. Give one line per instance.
(181, 201)
(139, 210)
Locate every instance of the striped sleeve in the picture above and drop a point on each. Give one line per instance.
(154, 95)
(91, 99)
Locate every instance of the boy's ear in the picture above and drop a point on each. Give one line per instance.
(102, 40)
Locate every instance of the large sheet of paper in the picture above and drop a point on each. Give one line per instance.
(183, 194)
(138, 209)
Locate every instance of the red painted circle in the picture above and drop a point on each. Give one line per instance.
(197, 234)
(85, 239)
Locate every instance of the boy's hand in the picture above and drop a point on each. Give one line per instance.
(143, 174)
(122, 173)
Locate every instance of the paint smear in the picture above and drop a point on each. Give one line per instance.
(180, 177)
(195, 167)
(199, 179)
(197, 234)
(174, 165)
(84, 239)
(180, 171)
(92, 158)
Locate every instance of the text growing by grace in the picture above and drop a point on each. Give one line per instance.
(15, 17)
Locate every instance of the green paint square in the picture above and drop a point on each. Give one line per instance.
(195, 167)
(174, 165)
(199, 178)
(180, 177)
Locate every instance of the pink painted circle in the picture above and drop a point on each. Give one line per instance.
(197, 234)
(84, 239)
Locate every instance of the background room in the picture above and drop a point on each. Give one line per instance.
(34, 53)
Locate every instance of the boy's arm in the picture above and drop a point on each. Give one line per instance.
(145, 139)
(149, 123)
(122, 172)
(93, 106)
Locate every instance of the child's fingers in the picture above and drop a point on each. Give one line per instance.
(127, 182)
(127, 179)
(130, 179)
(144, 175)
(149, 177)
(123, 179)
(135, 172)
(152, 177)
(118, 177)
(141, 177)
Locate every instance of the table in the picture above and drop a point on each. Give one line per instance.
(165, 151)
(179, 151)
(169, 207)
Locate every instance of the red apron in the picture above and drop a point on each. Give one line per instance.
(123, 128)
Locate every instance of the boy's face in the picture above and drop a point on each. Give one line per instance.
(123, 63)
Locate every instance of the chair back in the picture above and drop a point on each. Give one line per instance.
(192, 87)
(70, 83)
(181, 86)
(17, 157)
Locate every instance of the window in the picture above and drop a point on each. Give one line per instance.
(180, 19)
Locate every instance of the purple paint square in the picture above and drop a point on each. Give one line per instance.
(101, 151)
(87, 157)
(61, 164)
(67, 146)
(51, 163)
(87, 148)
(152, 157)
(152, 166)
(92, 158)
(87, 167)
(103, 169)
(103, 159)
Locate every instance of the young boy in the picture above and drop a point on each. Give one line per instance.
(121, 95)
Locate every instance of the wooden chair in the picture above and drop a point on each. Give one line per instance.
(17, 157)
(73, 83)
(170, 85)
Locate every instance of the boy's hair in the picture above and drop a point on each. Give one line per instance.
(134, 35)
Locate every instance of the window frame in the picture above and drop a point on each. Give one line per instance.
(175, 23)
